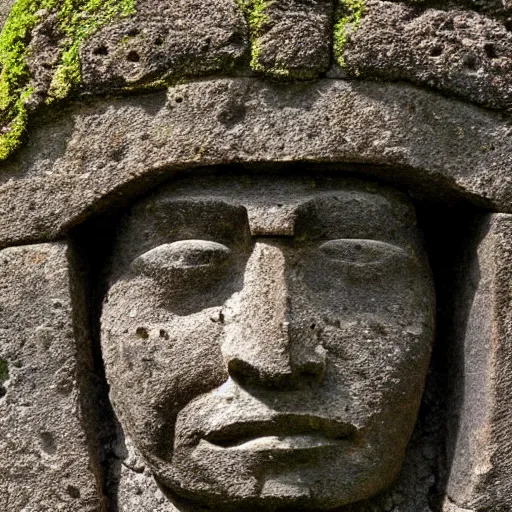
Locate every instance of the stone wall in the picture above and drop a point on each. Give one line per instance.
(102, 104)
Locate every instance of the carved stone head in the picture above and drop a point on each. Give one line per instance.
(267, 342)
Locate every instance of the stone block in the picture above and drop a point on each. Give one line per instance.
(105, 152)
(44, 456)
(163, 40)
(480, 432)
(457, 51)
(292, 38)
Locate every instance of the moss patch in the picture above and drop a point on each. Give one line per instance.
(351, 12)
(256, 13)
(77, 20)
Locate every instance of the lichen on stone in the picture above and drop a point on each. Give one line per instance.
(76, 20)
(350, 14)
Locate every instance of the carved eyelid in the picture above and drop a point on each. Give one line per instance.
(181, 255)
(360, 251)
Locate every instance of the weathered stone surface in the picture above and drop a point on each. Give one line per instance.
(97, 155)
(165, 40)
(458, 52)
(44, 458)
(480, 442)
(449, 506)
(496, 8)
(294, 39)
(136, 488)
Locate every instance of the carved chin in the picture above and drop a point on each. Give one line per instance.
(300, 473)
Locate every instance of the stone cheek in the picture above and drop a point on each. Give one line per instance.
(44, 459)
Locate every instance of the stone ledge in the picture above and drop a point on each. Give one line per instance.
(96, 156)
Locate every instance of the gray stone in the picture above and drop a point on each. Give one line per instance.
(44, 452)
(165, 40)
(481, 431)
(293, 39)
(455, 51)
(5, 8)
(100, 155)
(265, 319)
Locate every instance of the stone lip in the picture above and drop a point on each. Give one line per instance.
(231, 434)
(98, 156)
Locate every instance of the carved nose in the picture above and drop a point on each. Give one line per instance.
(264, 346)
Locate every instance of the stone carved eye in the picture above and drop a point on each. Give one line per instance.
(182, 258)
(360, 252)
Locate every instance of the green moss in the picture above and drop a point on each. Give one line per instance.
(255, 12)
(351, 13)
(4, 371)
(77, 20)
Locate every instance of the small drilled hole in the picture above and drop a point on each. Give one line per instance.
(436, 51)
(178, 99)
(236, 39)
(490, 51)
(159, 41)
(100, 50)
(448, 25)
(470, 61)
(133, 56)
(74, 492)
(142, 332)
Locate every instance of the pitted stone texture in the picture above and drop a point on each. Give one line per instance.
(481, 431)
(310, 345)
(458, 52)
(163, 40)
(97, 155)
(43, 450)
(449, 506)
(295, 39)
(496, 8)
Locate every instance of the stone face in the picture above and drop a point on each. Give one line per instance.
(264, 341)
(96, 156)
(481, 432)
(264, 319)
(165, 40)
(458, 52)
(43, 448)
(294, 38)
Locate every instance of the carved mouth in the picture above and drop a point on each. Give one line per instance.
(284, 431)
